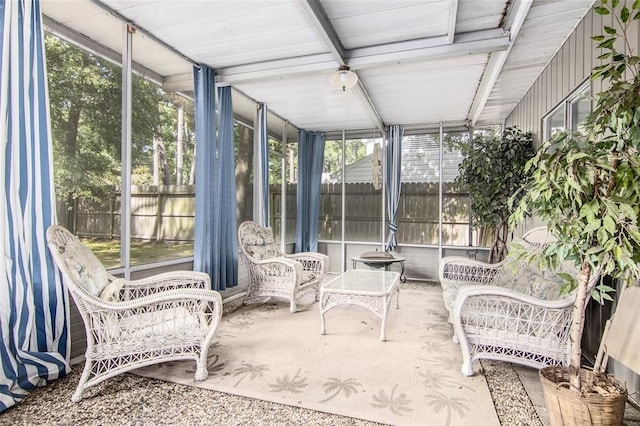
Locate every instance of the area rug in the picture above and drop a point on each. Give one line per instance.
(413, 378)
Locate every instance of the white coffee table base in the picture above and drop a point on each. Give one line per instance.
(378, 304)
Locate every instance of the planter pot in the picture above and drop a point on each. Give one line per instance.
(602, 404)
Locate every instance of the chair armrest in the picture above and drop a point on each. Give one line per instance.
(463, 269)
(177, 295)
(278, 266)
(135, 289)
(316, 262)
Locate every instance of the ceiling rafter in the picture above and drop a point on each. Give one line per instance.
(453, 16)
(515, 19)
(323, 27)
(484, 41)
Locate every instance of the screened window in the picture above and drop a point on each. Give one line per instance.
(330, 226)
(85, 98)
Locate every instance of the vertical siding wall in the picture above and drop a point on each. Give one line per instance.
(567, 70)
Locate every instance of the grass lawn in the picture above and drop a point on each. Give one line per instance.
(108, 251)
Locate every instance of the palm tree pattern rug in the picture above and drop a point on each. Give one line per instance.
(265, 352)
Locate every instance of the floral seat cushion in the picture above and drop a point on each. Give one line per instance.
(85, 267)
(259, 243)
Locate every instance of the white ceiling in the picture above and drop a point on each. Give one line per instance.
(418, 62)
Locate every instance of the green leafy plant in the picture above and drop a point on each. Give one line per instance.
(585, 187)
(493, 170)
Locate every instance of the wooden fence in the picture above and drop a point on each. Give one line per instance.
(166, 213)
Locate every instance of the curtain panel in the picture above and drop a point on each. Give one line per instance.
(34, 308)
(310, 163)
(215, 247)
(261, 167)
(393, 181)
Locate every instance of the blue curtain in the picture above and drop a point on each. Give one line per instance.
(34, 307)
(392, 181)
(225, 249)
(261, 168)
(215, 247)
(310, 162)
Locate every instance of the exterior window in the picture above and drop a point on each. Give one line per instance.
(579, 110)
(570, 114)
(555, 122)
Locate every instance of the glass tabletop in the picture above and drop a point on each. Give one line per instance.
(363, 282)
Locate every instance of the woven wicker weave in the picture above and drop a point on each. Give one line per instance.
(171, 316)
(569, 408)
(502, 322)
(273, 273)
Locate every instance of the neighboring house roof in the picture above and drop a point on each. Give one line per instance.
(420, 163)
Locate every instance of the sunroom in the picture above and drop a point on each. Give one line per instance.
(366, 101)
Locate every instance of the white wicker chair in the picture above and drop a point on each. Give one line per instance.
(132, 324)
(509, 311)
(273, 273)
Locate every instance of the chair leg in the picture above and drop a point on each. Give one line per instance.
(77, 396)
(201, 366)
(467, 368)
(292, 306)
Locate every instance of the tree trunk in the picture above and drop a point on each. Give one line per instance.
(70, 148)
(156, 162)
(192, 172)
(180, 145)
(577, 324)
(162, 156)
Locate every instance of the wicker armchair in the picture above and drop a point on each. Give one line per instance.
(509, 311)
(273, 273)
(132, 324)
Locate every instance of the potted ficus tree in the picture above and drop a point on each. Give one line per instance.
(492, 168)
(586, 188)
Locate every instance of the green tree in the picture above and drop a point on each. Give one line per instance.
(493, 170)
(85, 99)
(354, 150)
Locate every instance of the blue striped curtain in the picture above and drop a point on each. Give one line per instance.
(393, 181)
(215, 248)
(310, 163)
(34, 308)
(261, 168)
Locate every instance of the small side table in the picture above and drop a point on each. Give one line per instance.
(380, 263)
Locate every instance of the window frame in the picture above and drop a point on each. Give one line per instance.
(582, 91)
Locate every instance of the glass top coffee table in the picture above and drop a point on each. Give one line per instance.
(370, 289)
